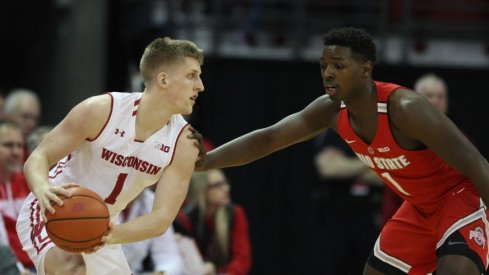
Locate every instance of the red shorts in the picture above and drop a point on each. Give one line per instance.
(412, 241)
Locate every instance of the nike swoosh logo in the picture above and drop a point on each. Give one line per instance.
(349, 141)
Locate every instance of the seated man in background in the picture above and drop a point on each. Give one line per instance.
(13, 186)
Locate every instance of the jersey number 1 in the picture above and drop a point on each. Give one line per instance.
(388, 176)
(117, 189)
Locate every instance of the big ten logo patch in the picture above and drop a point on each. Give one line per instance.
(162, 147)
(477, 234)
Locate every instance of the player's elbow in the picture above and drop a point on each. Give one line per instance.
(159, 231)
(160, 227)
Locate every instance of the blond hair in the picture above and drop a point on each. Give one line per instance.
(167, 51)
(198, 197)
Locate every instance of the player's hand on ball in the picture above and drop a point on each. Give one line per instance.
(103, 241)
(47, 195)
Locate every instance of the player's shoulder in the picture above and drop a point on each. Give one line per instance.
(183, 141)
(98, 102)
(326, 100)
(403, 101)
(406, 107)
(185, 148)
(92, 114)
(324, 110)
(323, 106)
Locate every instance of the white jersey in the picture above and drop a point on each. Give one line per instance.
(114, 164)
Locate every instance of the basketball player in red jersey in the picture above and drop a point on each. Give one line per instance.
(442, 227)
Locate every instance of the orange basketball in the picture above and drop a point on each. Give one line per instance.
(80, 223)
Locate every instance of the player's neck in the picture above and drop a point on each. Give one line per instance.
(151, 115)
(363, 101)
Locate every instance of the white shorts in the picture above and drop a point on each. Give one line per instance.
(35, 241)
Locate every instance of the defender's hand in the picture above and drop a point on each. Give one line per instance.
(202, 158)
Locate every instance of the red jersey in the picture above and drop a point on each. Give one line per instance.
(12, 195)
(420, 177)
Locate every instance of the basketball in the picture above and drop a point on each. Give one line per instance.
(80, 223)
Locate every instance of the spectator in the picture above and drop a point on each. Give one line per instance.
(25, 109)
(219, 227)
(435, 90)
(163, 250)
(37, 136)
(2, 104)
(3, 115)
(13, 186)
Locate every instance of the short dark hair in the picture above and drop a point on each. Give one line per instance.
(358, 40)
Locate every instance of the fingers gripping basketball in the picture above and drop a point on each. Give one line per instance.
(80, 223)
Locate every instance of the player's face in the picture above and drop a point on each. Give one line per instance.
(218, 189)
(11, 149)
(185, 85)
(340, 71)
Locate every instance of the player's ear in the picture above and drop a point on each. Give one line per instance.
(367, 68)
(162, 79)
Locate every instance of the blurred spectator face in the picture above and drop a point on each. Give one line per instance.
(37, 137)
(436, 93)
(2, 103)
(27, 115)
(218, 188)
(11, 150)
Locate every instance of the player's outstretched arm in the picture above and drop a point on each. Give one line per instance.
(417, 119)
(295, 128)
(84, 121)
(169, 195)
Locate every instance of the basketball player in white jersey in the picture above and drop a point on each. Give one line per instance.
(117, 144)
